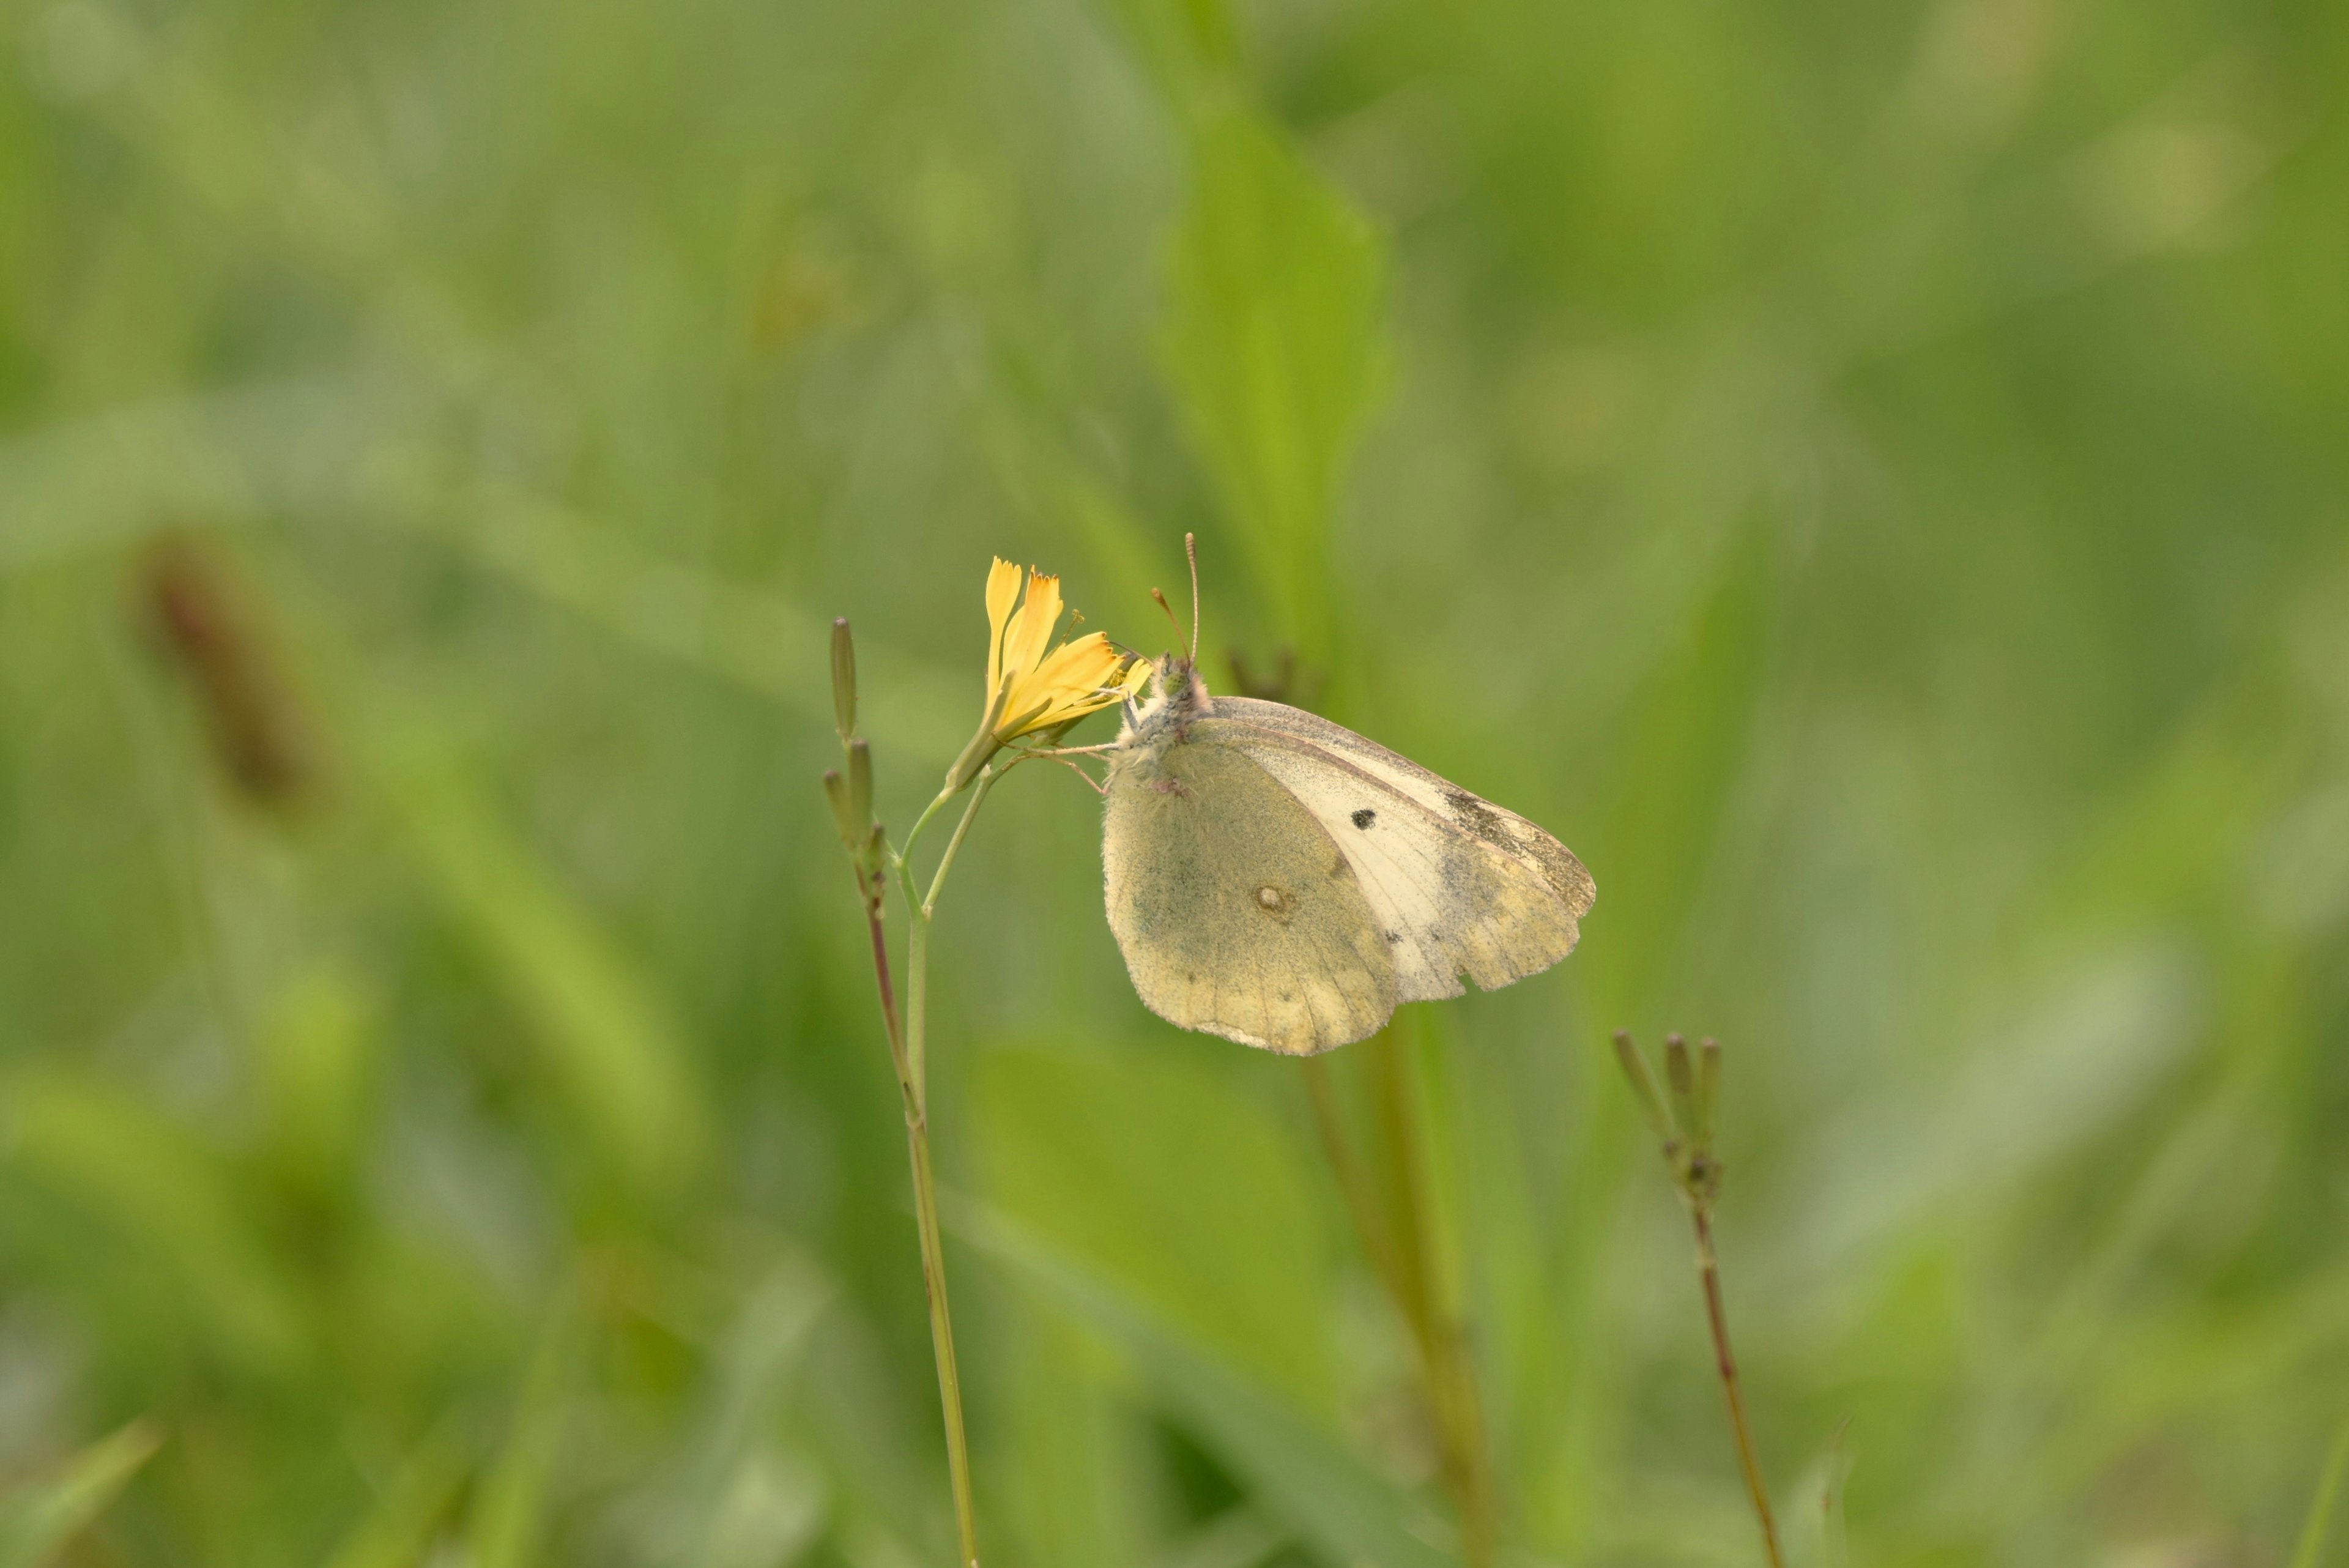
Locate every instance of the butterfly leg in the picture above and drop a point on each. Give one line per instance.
(1061, 756)
(1097, 788)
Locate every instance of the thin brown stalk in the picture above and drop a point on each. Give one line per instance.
(1709, 1270)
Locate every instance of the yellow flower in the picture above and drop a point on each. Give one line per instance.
(1033, 688)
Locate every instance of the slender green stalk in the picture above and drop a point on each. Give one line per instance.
(926, 1218)
(986, 777)
(1054, 701)
(908, 1053)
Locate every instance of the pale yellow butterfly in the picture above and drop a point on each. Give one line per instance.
(1279, 880)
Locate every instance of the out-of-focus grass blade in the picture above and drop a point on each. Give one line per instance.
(1241, 1538)
(283, 444)
(1682, 759)
(37, 1521)
(1819, 1502)
(1274, 348)
(736, 1499)
(750, 635)
(604, 1038)
(1102, 1157)
(2311, 1550)
(110, 1154)
(1297, 1472)
(319, 1057)
(2068, 1064)
(340, 448)
(510, 1510)
(1074, 1480)
(398, 1530)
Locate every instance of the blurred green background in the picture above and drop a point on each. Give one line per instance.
(1870, 478)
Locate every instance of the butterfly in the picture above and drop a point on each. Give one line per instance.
(1281, 881)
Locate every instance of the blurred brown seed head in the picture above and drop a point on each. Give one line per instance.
(206, 628)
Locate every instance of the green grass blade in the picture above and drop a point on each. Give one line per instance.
(2310, 1549)
(37, 1521)
(605, 1040)
(1273, 346)
(510, 1508)
(1299, 1474)
(399, 1530)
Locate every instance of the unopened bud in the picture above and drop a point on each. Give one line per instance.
(1643, 1086)
(843, 818)
(844, 679)
(860, 787)
(1708, 1089)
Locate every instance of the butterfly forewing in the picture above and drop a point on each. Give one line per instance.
(1461, 886)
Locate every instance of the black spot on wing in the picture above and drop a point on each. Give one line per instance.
(1364, 817)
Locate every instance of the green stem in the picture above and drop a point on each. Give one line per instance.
(942, 1345)
(903, 858)
(908, 1053)
(986, 777)
(1427, 1305)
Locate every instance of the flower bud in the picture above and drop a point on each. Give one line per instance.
(860, 786)
(1708, 1089)
(844, 819)
(1643, 1086)
(844, 680)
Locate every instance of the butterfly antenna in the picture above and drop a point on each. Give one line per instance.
(1190, 554)
(1169, 609)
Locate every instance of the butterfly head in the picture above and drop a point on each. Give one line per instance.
(1177, 694)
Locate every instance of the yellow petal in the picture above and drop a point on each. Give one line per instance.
(1032, 629)
(1078, 668)
(1002, 588)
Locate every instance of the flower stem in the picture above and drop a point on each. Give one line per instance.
(908, 1054)
(1709, 1270)
(986, 777)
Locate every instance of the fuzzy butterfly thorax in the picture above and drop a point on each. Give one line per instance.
(1178, 698)
(1281, 881)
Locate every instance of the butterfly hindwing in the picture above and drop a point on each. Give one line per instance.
(1236, 910)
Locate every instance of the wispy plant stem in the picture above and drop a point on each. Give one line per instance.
(926, 1218)
(907, 1050)
(1708, 1269)
(1685, 1125)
